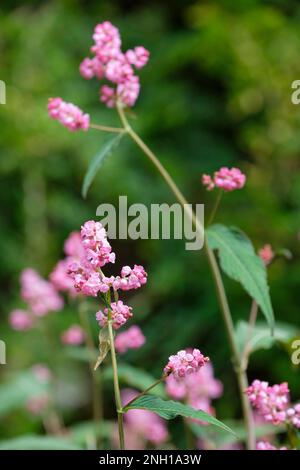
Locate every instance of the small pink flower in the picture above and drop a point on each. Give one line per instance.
(68, 114)
(138, 57)
(120, 313)
(132, 338)
(108, 96)
(73, 245)
(266, 254)
(226, 179)
(90, 68)
(264, 445)
(73, 336)
(60, 278)
(20, 320)
(184, 363)
(208, 182)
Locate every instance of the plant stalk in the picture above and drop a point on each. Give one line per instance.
(119, 408)
(240, 373)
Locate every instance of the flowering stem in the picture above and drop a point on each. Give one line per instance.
(99, 127)
(216, 206)
(240, 372)
(96, 379)
(116, 386)
(139, 395)
(251, 324)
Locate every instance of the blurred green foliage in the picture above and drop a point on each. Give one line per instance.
(217, 91)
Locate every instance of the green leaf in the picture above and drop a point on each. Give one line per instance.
(134, 377)
(169, 409)
(240, 262)
(104, 346)
(18, 390)
(35, 442)
(260, 335)
(97, 162)
(81, 353)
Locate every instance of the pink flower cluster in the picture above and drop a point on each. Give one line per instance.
(37, 404)
(132, 338)
(119, 312)
(226, 179)
(41, 298)
(68, 114)
(142, 425)
(185, 362)
(73, 336)
(264, 445)
(111, 63)
(266, 254)
(86, 256)
(196, 389)
(271, 402)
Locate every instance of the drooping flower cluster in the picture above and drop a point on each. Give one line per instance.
(271, 402)
(132, 338)
(264, 445)
(185, 362)
(68, 114)
(266, 254)
(110, 63)
(227, 179)
(74, 335)
(196, 389)
(142, 425)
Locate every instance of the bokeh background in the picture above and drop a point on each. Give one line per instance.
(217, 91)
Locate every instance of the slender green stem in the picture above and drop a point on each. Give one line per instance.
(240, 373)
(98, 127)
(116, 386)
(251, 325)
(216, 207)
(96, 379)
(139, 395)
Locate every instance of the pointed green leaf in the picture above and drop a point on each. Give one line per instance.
(240, 262)
(169, 409)
(97, 162)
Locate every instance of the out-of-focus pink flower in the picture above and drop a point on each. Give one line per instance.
(293, 415)
(68, 114)
(208, 182)
(40, 294)
(38, 404)
(117, 67)
(227, 179)
(266, 254)
(42, 373)
(144, 423)
(271, 402)
(199, 384)
(184, 363)
(73, 335)
(20, 320)
(73, 245)
(120, 313)
(264, 445)
(196, 389)
(132, 338)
